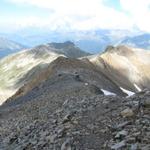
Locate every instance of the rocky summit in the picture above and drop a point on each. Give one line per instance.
(97, 102)
(69, 49)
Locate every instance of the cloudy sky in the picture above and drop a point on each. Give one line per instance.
(75, 14)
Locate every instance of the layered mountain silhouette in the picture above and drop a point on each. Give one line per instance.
(118, 70)
(53, 98)
(138, 41)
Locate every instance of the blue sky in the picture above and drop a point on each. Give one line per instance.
(75, 14)
(12, 9)
(114, 4)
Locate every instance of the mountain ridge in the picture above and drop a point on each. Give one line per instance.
(91, 102)
(67, 48)
(14, 67)
(132, 64)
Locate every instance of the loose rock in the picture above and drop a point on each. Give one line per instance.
(127, 113)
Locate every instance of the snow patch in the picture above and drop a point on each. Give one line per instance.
(137, 87)
(107, 92)
(129, 93)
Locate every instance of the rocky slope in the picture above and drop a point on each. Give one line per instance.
(78, 104)
(127, 67)
(65, 113)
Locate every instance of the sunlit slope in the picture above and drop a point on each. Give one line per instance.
(14, 67)
(127, 67)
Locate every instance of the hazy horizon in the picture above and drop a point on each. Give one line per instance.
(90, 24)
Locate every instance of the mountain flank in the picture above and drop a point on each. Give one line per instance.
(127, 67)
(97, 102)
(19, 69)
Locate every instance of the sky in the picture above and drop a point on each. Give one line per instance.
(74, 15)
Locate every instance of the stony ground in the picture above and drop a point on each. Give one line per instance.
(76, 117)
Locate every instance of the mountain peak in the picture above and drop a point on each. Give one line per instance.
(69, 49)
(61, 45)
(109, 48)
(120, 49)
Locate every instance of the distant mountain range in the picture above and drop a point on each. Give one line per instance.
(89, 41)
(140, 41)
(7, 47)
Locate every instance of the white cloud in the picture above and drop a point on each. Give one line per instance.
(65, 7)
(139, 11)
(76, 14)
